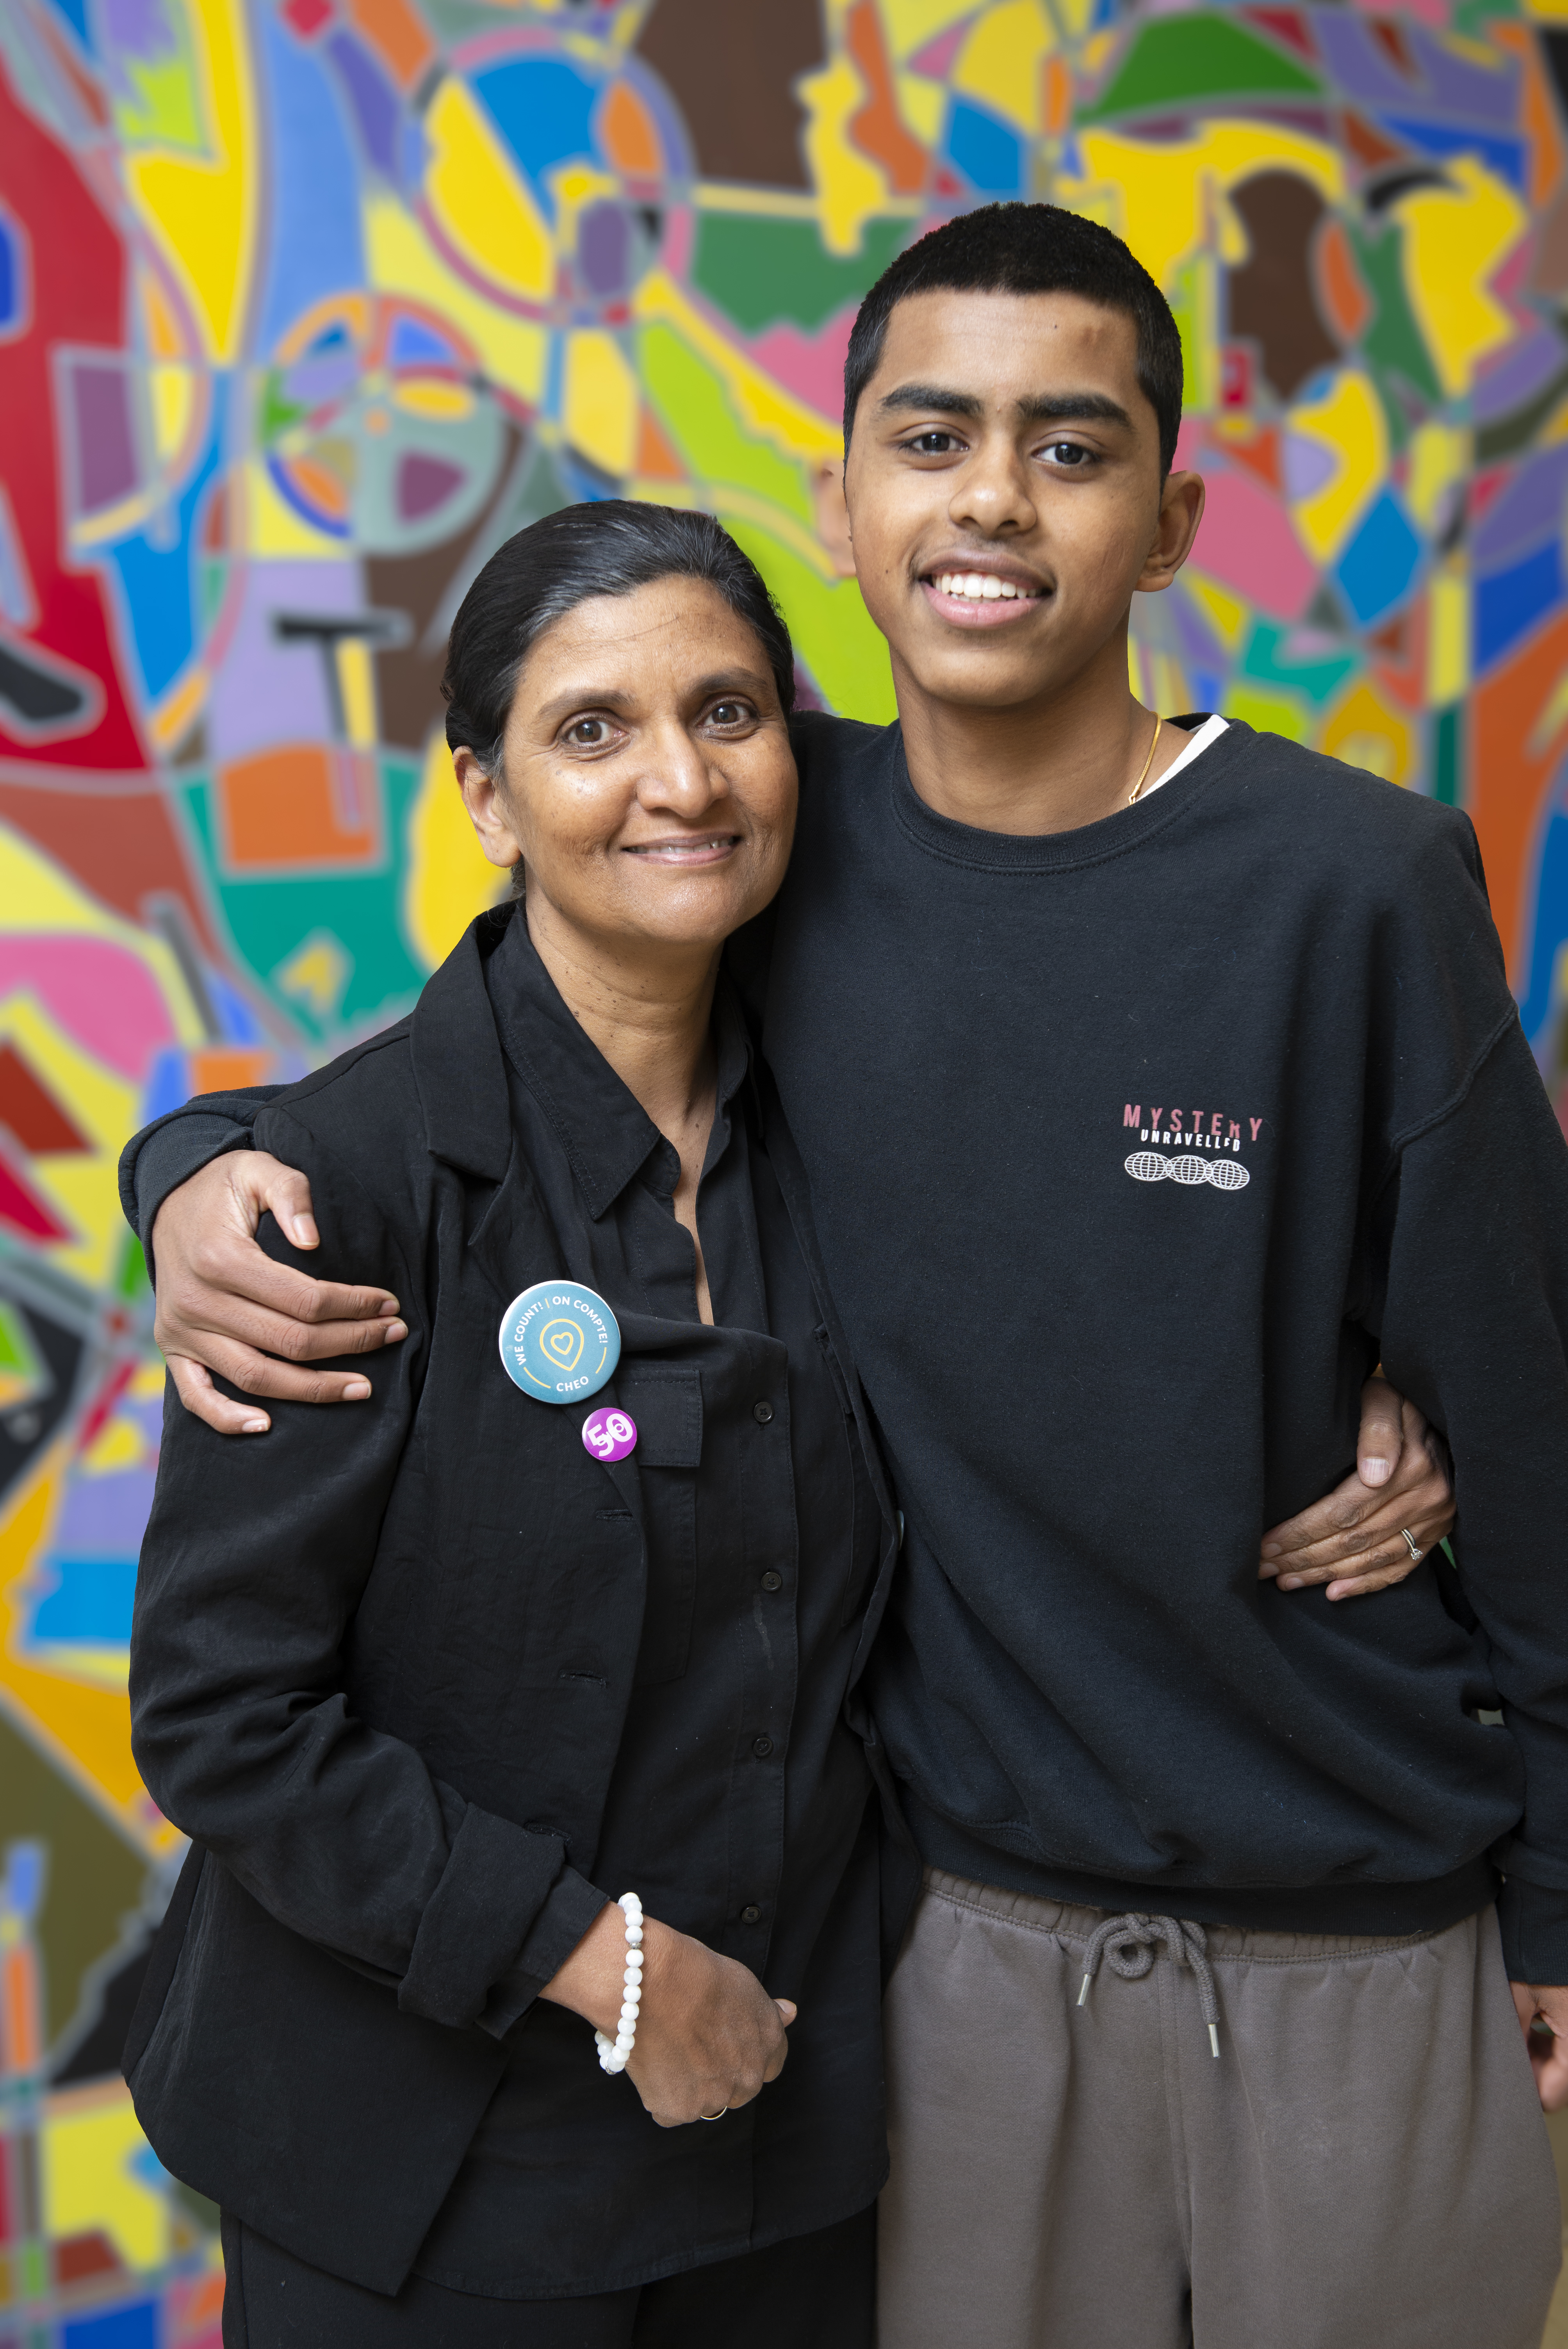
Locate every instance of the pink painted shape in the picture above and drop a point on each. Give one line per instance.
(1245, 541)
(101, 994)
(936, 60)
(1432, 12)
(811, 366)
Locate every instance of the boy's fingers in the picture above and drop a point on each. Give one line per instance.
(193, 1385)
(1381, 1437)
(260, 1374)
(263, 1181)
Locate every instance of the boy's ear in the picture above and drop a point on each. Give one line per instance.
(1180, 511)
(832, 514)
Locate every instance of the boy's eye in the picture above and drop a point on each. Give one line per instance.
(931, 444)
(1067, 452)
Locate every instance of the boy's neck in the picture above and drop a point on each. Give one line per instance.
(1067, 758)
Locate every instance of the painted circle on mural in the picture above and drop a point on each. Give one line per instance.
(552, 164)
(377, 425)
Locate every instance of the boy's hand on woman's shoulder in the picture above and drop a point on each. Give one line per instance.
(1354, 1539)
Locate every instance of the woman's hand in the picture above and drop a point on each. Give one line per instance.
(708, 2035)
(1354, 1539)
(224, 1305)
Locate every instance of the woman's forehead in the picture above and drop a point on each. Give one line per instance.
(665, 628)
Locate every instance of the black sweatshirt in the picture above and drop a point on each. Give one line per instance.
(1131, 1149)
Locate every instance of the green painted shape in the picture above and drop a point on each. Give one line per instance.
(278, 412)
(269, 919)
(131, 1283)
(1176, 58)
(1269, 713)
(1446, 755)
(1319, 677)
(159, 102)
(1393, 339)
(835, 636)
(18, 1355)
(768, 272)
(696, 412)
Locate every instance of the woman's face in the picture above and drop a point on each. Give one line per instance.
(647, 779)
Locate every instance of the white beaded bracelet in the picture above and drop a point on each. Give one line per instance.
(613, 2053)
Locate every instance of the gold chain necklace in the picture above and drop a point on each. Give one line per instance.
(1143, 777)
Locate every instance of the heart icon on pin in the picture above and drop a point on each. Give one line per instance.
(562, 1341)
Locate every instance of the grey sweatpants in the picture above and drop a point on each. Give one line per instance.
(1364, 2167)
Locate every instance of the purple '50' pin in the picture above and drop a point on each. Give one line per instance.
(609, 1434)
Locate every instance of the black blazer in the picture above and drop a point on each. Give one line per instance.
(322, 2027)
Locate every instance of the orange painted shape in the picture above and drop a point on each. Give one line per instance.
(1342, 295)
(878, 129)
(1260, 455)
(306, 804)
(1537, 113)
(1056, 95)
(228, 1070)
(322, 486)
(626, 127)
(19, 2010)
(1368, 146)
(655, 458)
(394, 30)
(1510, 777)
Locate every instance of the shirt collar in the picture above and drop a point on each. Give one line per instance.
(606, 1133)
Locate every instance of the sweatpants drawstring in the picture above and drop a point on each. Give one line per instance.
(1129, 1945)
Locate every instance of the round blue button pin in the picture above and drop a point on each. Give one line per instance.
(559, 1342)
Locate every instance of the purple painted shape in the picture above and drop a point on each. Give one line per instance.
(373, 98)
(1527, 513)
(135, 32)
(604, 249)
(105, 444)
(104, 1516)
(610, 1433)
(424, 483)
(1356, 62)
(1462, 89)
(1307, 465)
(267, 692)
(314, 382)
(1526, 368)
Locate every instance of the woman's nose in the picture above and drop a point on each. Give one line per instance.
(679, 774)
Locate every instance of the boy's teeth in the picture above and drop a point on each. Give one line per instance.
(981, 586)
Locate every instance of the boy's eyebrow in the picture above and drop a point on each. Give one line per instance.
(1040, 407)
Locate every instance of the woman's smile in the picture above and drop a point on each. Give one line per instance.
(711, 848)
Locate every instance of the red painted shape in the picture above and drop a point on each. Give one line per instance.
(1286, 25)
(31, 1111)
(78, 298)
(120, 844)
(307, 16)
(21, 1207)
(103, 1402)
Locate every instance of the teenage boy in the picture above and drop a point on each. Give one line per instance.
(1150, 1088)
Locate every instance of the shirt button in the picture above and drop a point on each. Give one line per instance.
(762, 1412)
(762, 1747)
(750, 1915)
(771, 1581)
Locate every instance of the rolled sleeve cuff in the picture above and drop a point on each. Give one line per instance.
(570, 1909)
(496, 1881)
(1534, 1919)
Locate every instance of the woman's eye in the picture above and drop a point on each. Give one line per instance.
(588, 733)
(729, 713)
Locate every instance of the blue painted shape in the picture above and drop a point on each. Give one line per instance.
(412, 341)
(22, 1892)
(373, 98)
(168, 1084)
(542, 109)
(1511, 601)
(239, 1023)
(157, 581)
(314, 243)
(122, 2328)
(989, 155)
(75, 12)
(1550, 925)
(10, 278)
(1379, 563)
(93, 1602)
(1505, 156)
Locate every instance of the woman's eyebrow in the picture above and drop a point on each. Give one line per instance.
(612, 697)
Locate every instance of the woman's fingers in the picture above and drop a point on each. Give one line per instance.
(1353, 1539)
(1380, 1438)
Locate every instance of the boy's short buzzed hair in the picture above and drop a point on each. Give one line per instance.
(1027, 249)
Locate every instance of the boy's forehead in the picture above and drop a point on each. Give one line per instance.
(1000, 345)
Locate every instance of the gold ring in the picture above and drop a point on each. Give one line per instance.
(1417, 1554)
(714, 2116)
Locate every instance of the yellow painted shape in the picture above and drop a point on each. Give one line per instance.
(1347, 419)
(41, 898)
(763, 407)
(1456, 238)
(448, 879)
(908, 25)
(1000, 62)
(1548, 12)
(1226, 614)
(91, 2138)
(164, 339)
(1448, 634)
(400, 258)
(850, 189)
(102, 1668)
(1268, 713)
(173, 716)
(84, 1730)
(600, 401)
(1553, 712)
(80, 1185)
(1169, 197)
(1365, 732)
(118, 1443)
(200, 208)
(922, 104)
(264, 524)
(316, 973)
(1440, 456)
(431, 394)
(481, 199)
(357, 684)
(171, 395)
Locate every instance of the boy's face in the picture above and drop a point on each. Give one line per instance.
(1004, 492)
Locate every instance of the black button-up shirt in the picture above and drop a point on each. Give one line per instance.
(738, 1806)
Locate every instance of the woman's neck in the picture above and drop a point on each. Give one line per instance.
(649, 1013)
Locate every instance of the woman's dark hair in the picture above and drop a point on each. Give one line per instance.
(610, 547)
(1027, 249)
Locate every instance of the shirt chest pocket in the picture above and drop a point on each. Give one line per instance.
(666, 1401)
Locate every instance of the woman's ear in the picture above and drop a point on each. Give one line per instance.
(488, 811)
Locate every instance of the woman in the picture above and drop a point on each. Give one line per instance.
(572, 1614)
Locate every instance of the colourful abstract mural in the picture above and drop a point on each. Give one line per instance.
(304, 308)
